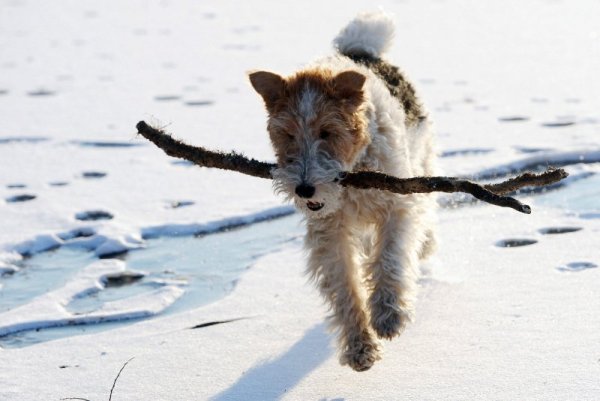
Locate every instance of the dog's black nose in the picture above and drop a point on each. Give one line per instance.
(305, 191)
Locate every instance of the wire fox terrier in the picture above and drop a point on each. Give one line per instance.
(354, 111)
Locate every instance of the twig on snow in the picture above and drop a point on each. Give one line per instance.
(117, 378)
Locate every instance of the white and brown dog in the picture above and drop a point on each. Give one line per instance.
(349, 112)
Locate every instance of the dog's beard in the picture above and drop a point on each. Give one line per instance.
(316, 168)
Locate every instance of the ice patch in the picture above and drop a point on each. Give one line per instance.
(50, 309)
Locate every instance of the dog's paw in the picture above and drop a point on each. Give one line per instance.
(361, 354)
(387, 321)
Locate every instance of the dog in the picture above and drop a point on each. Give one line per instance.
(354, 111)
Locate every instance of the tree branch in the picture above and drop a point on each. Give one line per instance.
(491, 193)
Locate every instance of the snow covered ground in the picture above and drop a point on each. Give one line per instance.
(509, 84)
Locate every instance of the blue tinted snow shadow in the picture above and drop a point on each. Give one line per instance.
(271, 380)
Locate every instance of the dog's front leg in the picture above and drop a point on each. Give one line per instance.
(393, 271)
(332, 265)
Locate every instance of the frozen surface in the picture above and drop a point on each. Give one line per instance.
(509, 84)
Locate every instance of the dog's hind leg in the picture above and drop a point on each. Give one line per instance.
(332, 265)
(393, 272)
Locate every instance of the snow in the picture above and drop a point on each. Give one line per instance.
(492, 323)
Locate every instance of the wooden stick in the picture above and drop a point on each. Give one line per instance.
(491, 193)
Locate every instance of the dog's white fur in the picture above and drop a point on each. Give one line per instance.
(384, 233)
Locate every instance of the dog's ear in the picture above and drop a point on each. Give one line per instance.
(349, 84)
(269, 85)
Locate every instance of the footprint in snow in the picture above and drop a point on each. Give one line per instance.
(199, 103)
(466, 152)
(121, 279)
(558, 124)
(166, 98)
(41, 93)
(576, 266)
(3, 92)
(515, 242)
(559, 230)
(93, 174)
(93, 215)
(20, 198)
(513, 119)
(106, 144)
(22, 139)
(58, 183)
(82, 232)
(526, 149)
(16, 186)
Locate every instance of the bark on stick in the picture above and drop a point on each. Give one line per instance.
(491, 193)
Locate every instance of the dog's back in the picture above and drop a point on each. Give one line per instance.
(364, 40)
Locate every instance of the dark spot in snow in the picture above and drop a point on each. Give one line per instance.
(466, 152)
(16, 186)
(178, 204)
(107, 144)
(58, 184)
(24, 139)
(92, 215)
(41, 93)
(68, 366)
(515, 242)
(3, 92)
(559, 230)
(558, 124)
(20, 198)
(114, 255)
(525, 149)
(77, 233)
(93, 174)
(576, 266)
(121, 279)
(511, 119)
(166, 98)
(199, 103)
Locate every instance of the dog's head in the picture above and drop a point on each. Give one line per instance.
(317, 125)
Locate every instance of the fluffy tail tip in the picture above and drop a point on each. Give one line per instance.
(369, 34)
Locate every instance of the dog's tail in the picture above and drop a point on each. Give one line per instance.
(369, 34)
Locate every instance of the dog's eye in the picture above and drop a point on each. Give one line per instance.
(324, 134)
